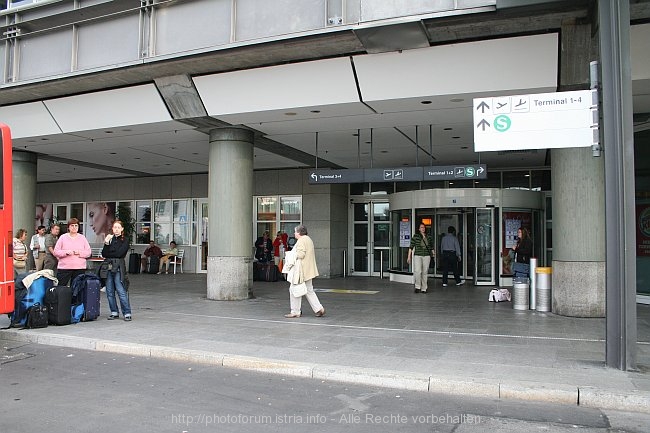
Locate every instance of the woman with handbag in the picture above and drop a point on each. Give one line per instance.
(301, 270)
(115, 248)
(20, 252)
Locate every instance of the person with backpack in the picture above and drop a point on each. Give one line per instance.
(116, 246)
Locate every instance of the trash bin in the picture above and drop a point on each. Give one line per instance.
(520, 288)
(543, 283)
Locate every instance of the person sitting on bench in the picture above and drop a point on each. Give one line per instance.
(172, 251)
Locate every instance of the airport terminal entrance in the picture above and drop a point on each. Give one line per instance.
(483, 220)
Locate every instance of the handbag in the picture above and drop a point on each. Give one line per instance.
(19, 263)
(37, 316)
(298, 290)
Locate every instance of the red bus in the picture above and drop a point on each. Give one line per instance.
(6, 227)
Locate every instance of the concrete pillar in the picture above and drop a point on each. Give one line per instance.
(578, 184)
(24, 191)
(230, 207)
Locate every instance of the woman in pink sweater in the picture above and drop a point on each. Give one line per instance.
(72, 250)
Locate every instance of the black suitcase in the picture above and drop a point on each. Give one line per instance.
(58, 300)
(134, 263)
(154, 265)
(267, 272)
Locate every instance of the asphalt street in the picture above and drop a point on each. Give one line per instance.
(60, 389)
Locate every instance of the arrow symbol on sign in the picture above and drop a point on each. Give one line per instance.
(483, 123)
(479, 171)
(483, 106)
(313, 176)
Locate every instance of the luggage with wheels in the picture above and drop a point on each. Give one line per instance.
(85, 297)
(134, 263)
(266, 272)
(90, 299)
(59, 303)
(153, 265)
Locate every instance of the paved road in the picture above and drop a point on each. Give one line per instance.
(58, 389)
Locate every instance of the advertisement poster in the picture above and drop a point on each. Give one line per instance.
(512, 221)
(643, 230)
(100, 218)
(43, 216)
(404, 234)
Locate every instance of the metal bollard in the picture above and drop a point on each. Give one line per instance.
(544, 277)
(533, 283)
(520, 289)
(345, 263)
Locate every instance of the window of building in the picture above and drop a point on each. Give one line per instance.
(274, 213)
(142, 221)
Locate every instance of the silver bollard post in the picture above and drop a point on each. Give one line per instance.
(533, 283)
(345, 263)
(381, 264)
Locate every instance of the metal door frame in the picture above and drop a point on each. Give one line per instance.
(494, 246)
(199, 243)
(370, 244)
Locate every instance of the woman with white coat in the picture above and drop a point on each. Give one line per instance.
(300, 267)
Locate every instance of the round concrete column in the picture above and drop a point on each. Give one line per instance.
(24, 190)
(230, 196)
(578, 181)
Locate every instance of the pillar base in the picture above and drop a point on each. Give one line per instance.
(230, 278)
(578, 289)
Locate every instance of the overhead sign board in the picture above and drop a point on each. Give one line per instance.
(408, 174)
(336, 176)
(536, 121)
(455, 172)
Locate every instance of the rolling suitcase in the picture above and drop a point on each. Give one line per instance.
(267, 272)
(90, 299)
(59, 303)
(134, 263)
(154, 265)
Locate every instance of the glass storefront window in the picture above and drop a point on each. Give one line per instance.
(181, 211)
(162, 211)
(182, 233)
(516, 179)
(290, 208)
(267, 208)
(143, 211)
(142, 233)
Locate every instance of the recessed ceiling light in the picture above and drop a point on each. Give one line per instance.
(451, 183)
(113, 153)
(526, 175)
(315, 111)
(137, 157)
(405, 164)
(426, 102)
(195, 153)
(455, 137)
(383, 151)
(368, 142)
(44, 139)
(456, 100)
(355, 135)
(108, 132)
(172, 148)
(290, 113)
(448, 129)
(463, 147)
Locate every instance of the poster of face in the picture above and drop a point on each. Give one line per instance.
(99, 221)
(643, 229)
(512, 221)
(43, 216)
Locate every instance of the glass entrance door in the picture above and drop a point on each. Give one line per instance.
(463, 221)
(202, 250)
(370, 238)
(484, 270)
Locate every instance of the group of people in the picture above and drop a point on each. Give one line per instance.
(154, 250)
(66, 254)
(422, 250)
(267, 250)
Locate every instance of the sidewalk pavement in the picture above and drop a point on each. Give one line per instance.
(449, 341)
